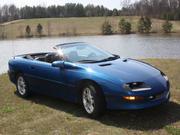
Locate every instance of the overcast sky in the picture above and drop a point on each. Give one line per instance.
(107, 3)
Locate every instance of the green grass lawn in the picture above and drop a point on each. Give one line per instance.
(48, 116)
(75, 26)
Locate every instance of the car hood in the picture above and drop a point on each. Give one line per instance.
(124, 70)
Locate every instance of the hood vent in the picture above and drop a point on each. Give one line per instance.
(107, 64)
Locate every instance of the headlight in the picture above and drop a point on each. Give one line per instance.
(136, 86)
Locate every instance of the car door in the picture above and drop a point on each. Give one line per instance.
(50, 80)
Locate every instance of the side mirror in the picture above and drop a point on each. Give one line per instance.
(59, 64)
(69, 65)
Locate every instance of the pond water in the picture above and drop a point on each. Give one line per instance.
(133, 46)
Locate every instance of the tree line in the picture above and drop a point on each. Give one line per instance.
(11, 12)
(163, 9)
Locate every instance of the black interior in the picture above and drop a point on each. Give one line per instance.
(45, 57)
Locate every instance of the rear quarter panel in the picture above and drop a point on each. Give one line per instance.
(18, 65)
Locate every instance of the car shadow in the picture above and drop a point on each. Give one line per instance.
(147, 119)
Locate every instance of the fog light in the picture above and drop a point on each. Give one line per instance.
(132, 98)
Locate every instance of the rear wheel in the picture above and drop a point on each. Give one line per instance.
(22, 86)
(92, 100)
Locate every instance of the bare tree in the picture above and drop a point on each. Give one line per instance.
(165, 9)
(126, 3)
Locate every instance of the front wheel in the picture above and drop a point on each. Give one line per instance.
(93, 100)
(22, 86)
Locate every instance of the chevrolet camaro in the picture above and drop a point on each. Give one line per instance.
(96, 79)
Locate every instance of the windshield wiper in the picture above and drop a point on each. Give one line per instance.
(109, 58)
(88, 61)
(103, 60)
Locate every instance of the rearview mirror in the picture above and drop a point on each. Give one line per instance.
(59, 64)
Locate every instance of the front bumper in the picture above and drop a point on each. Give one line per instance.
(117, 102)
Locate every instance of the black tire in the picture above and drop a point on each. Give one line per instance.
(24, 93)
(99, 100)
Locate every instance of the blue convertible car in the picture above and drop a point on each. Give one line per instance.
(98, 80)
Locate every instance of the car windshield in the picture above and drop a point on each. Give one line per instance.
(84, 53)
